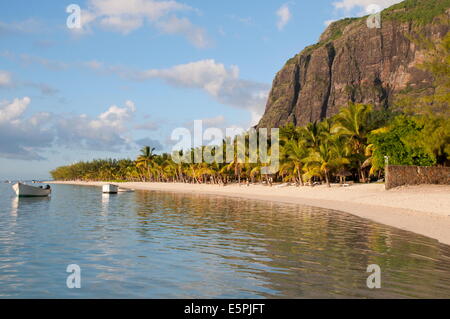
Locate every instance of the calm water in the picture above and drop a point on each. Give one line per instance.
(164, 245)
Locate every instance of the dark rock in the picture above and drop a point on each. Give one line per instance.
(353, 63)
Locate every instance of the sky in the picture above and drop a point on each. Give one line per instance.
(130, 72)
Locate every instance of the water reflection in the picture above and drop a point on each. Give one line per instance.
(167, 245)
(301, 251)
(14, 206)
(28, 204)
(105, 204)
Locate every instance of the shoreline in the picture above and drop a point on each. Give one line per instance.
(423, 209)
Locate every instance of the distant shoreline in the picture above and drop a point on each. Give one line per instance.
(421, 209)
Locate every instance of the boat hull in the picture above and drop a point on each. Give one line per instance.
(125, 190)
(23, 190)
(110, 189)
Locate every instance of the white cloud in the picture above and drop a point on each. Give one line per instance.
(44, 88)
(346, 8)
(194, 34)
(214, 121)
(108, 131)
(284, 16)
(20, 137)
(205, 74)
(121, 24)
(26, 60)
(5, 79)
(148, 126)
(349, 5)
(94, 65)
(24, 137)
(11, 111)
(127, 16)
(222, 83)
(15, 27)
(46, 63)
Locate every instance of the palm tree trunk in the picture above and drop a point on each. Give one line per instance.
(300, 177)
(327, 179)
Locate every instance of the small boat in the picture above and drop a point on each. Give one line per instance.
(125, 190)
(23, 190)
(110, 189)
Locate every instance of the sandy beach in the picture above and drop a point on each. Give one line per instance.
(421, 209)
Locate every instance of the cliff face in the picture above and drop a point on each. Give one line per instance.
(354, 63)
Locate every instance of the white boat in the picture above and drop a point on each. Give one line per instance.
(23, 190)
(110, 189)
(125, 190)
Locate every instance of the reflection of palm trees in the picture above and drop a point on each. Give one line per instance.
(295, 251)
(283, 242)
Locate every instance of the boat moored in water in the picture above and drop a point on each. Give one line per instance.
(125, 190)
(110, 189)
(24, 190)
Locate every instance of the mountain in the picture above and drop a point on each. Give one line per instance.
(355, 63)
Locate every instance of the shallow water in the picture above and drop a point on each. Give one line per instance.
(166, 245)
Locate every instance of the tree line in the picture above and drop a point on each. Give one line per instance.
(349, 146)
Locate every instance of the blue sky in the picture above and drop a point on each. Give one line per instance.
(137, 69)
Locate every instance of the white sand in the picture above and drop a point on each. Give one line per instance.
(421, 209)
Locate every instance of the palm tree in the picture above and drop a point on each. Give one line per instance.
(355, 123)
(312, 134)
(325, 160)
(295, 152)
(236, 167)
(144, 160)
(237, 164)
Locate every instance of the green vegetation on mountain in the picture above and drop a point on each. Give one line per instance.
(436, 100)
(419, 12)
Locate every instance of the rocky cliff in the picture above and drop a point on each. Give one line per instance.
(352, 62)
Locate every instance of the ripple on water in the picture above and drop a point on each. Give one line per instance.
(166, 245)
